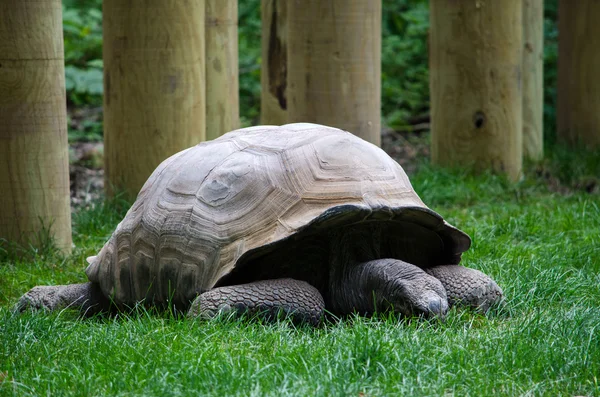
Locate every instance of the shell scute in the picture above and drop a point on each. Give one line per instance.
(209, 206)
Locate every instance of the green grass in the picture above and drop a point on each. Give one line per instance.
(542, 247)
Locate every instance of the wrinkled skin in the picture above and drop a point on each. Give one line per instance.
(369, 287)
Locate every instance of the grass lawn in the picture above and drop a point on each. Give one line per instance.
(542, 247)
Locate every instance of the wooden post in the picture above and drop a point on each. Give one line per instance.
(578, 110)
(154, 86)
(475, 84)
(222, 79)
(533, 79)
(334, 64)
(34, 161)
(273, 74)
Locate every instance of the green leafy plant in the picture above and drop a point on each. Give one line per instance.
(550, 68)
(82, 29)
(249, 38)
(404, 56)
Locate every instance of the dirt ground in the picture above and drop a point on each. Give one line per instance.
(86, 173)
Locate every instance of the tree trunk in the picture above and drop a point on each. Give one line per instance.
(273, 77)
(222, 80)
(154, 86)
(334, 64)
(475, 84)
(533, 79)
(34, 161)
(578, 110)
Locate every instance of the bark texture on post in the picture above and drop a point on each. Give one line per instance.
(273, 77)
(334, 64)
(222, 80)
(533, 79)
(154, 86)
(578, 110)
(475, 84)
(34, 161)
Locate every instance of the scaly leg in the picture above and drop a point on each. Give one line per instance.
(387, 284)
(270, 298)
(468, 287)
(87, 298)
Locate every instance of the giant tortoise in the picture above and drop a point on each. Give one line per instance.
(295, 219)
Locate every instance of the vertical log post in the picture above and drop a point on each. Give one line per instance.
(34, 161)
(222, 80)
(578, 110)
(475, 84)
(334, 64)
(273, 77)
(533, 79)
(154, 86)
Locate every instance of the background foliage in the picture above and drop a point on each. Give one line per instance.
(82, 28)
(405, 87)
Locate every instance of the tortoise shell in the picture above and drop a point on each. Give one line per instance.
(208, 209)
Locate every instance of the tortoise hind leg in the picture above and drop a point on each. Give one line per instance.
(86, 297)
(467, 287)
(269, 298)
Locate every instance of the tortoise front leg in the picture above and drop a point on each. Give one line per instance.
(269, 298)
(387, 284)
(86, 297)
(467, 287)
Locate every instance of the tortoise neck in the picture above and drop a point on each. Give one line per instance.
(350, 248)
